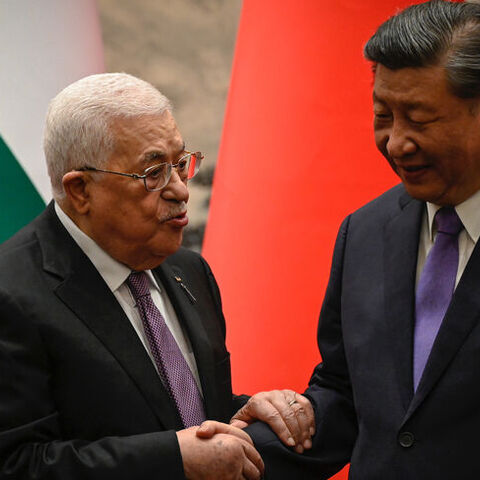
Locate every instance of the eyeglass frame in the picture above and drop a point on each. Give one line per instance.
(143, 177)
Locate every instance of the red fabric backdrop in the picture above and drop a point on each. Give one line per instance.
(297, 155)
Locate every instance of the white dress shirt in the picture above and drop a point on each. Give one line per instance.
(115, 275)
(469, 214)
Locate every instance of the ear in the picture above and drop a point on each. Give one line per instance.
(76, 186)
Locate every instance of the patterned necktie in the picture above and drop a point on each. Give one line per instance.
(435, 287)
(172, 366)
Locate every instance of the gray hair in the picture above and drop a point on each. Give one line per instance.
(433, 33)
(78, 124)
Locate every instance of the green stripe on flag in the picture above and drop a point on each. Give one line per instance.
(19, 200)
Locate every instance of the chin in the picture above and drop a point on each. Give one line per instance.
(162, 254)
(154, 253)
(149, 264)
(421, 193)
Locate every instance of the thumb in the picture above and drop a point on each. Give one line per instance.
(207, 429)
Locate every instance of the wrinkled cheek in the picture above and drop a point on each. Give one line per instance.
(384, 152)
(168, 235)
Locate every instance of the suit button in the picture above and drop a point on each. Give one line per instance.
(406, 439)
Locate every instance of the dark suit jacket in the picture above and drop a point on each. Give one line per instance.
(366, 409)
(79, 396)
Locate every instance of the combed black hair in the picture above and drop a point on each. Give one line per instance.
(433, 33)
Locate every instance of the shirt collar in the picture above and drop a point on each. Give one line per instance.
(467, 212)
(113, 272)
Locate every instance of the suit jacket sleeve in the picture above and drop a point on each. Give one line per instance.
(330, 393)
(238, 401)
(31, 441)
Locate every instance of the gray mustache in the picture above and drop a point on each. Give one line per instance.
(174, 212)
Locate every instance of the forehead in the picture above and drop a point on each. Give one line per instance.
(423, 86)
(137, 136)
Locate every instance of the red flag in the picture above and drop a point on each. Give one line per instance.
(297, 155)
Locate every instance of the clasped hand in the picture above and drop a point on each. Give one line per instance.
(219, 451)
(216, 450)
(289, 414)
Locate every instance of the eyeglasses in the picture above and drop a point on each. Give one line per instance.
(157, 177)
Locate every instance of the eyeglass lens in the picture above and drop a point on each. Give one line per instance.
(159, 175)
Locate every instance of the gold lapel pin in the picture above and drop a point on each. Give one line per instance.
(185, 289)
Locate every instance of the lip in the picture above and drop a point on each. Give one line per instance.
(180, 220)
(412, 173)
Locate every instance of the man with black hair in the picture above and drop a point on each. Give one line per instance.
(398, 393)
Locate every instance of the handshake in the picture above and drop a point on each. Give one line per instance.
(217, 450)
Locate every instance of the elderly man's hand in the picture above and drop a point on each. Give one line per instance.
(289, 414)
(221, 452)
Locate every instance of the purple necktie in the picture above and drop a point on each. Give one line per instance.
(172, 366)
(435, 287)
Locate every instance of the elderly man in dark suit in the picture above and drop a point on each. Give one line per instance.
(398, 393)
(112, 337)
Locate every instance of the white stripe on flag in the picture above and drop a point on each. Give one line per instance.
(44, 46)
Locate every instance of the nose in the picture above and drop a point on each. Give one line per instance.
(175, 190)
(399, 142)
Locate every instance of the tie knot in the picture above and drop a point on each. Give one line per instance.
(448, 221)
(138, 284)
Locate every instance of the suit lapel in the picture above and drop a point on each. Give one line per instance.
(462, 315)
(184, 303)
(83, 290)
(400, 259)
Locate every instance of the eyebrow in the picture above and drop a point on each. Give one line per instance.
(409, 105)
(159, 155)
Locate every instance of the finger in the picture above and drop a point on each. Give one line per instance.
(304, 414)
(279, 410)
(209, 428)
(257, 407)
(265, 406)
(287, 422)
(238, 423)
(244, 414)
(308, 411)
(302, 426)
(250, 471)
(254, 458)
(304, 430)
(239, 433)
